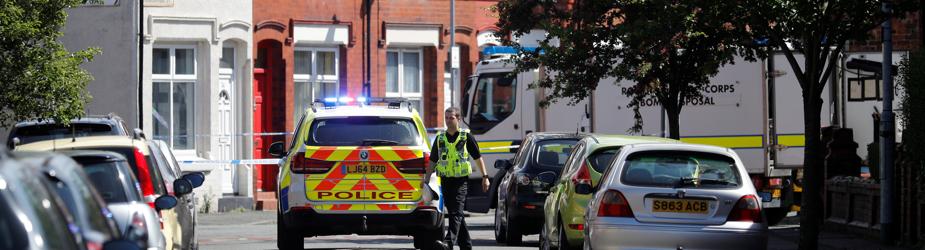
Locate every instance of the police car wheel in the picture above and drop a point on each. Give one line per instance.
(284, 238)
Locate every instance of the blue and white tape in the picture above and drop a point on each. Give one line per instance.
(233, 162)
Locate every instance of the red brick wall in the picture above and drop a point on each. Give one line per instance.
(472, 16)
(907, 35)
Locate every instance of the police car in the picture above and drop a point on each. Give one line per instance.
(357, 167)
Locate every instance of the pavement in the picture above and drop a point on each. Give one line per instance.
(257, 230)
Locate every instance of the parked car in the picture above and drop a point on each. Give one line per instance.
(34, 217)
(142, 161)
(677, 196)
(112, 176)
(33, 131)
(564, 208)
(526, 181)
(186, 208)
(94, 220)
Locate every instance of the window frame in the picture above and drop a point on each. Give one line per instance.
(411, 96)
(172, 78)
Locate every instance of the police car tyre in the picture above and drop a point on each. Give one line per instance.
(513, 235)
(285, 239)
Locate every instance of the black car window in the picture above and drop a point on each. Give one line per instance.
(53, 217)
(41, 132)
(680, 169)
(523, 151)
(93, 205)
(554, 153)
(105, 177)
(601, 159)
(363, 131)
(12, 230)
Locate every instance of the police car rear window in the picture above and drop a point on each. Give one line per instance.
(363, 131)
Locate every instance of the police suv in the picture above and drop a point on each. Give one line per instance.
(357, 167)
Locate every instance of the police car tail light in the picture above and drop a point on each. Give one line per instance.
(302, 165)
(614, 204)
(413, 166)
(747, 209)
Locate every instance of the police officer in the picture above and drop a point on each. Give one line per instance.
(450, 156)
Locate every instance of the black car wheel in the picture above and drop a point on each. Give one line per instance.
(544, 240)
(500, 233)
(285, 239)
(514, 238)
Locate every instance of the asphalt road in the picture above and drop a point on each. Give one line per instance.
(257, 230)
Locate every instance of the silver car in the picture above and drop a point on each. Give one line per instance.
(675, 196)
(113, 178)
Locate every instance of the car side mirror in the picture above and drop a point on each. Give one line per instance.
(503, 164)
(583, 188)
(276, 149)
(165, 202)
(139, 134)
(195, 178)
(182, 187)
(120, 244)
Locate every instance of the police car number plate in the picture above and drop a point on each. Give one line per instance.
(365, 168)
(679, 206)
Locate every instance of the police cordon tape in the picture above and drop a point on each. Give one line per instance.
(272, 161)
(233, 162)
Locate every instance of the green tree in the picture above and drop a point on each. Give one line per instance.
(669, 49)
(817, 30)
(41, 79)
(912, 108)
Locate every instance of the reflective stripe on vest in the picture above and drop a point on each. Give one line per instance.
(454, 157)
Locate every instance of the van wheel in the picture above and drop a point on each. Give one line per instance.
(285, 239)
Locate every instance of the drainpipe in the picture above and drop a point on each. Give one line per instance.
(140, 64)
(887, 133)
(367, 91)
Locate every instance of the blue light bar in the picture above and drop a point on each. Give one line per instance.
(491, 50)
(345, 99)
(361, 99)
(330, 100)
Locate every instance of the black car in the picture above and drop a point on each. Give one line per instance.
(96, 222)
(32, 131)
(525, 183)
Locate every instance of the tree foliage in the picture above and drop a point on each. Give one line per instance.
(669, 49)
(41, 79)
(912, 106)
(818, 30)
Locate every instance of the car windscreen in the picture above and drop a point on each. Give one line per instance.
(600, 160)
(363, 131)
(554, 153)
(680, 169)
(41, 132)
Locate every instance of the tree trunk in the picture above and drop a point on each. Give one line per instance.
(811, 210)
(674, 126)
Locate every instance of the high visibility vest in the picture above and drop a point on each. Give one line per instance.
(454, 157)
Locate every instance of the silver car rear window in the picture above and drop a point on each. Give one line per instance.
(680, 169)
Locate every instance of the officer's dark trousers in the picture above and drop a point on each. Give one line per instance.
(454, 195)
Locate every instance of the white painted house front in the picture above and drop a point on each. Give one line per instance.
(197, 88)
